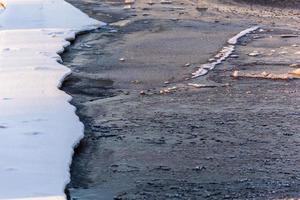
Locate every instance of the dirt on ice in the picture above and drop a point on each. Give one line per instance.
(153, 132)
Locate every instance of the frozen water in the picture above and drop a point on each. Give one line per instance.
(39, 127)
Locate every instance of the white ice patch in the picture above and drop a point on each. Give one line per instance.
(223, 54)
(39, 127)
(234, 40)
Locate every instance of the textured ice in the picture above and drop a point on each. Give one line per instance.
(38, 126)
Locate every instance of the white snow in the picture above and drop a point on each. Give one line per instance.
(234, 40)
(223, 54)
(38, 126)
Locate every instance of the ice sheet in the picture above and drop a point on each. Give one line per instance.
(38, 126)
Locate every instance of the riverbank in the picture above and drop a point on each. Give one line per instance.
(148, 136)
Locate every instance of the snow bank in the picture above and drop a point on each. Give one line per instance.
(38, 127)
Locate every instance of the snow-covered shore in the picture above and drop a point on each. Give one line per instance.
(38, 126)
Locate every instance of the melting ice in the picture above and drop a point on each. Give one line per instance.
(38, 127)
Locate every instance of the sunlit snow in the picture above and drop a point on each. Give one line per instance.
(38, 127)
